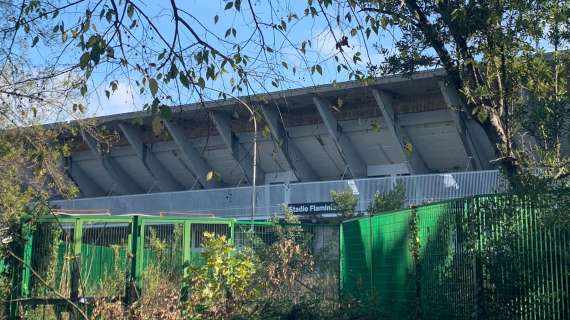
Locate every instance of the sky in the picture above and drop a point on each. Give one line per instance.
(201, 16)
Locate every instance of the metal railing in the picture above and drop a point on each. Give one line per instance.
(236, 202)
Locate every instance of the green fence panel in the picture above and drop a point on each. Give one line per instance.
(355, 250)
(104, 258)
(392, 263)
(163, 254)
(444, 273)
(52, 256)
(499, 257)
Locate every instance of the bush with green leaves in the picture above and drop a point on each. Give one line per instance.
(392, 200)
(345, 202)
(222, 285)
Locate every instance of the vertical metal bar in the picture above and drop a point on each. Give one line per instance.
(341, 260)
(231, 226)
(76, 267)
(137, 251)
(370, 253)
(187, 245)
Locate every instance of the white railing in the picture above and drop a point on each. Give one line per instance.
(236, 202)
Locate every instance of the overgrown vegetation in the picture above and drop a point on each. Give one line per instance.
(391, 200)
(222, 285)
(344, 203)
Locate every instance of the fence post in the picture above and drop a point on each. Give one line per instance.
(340, 260)
(187, 245)
(76, 266)
(136, 252)
(371, 255)
(232, 232)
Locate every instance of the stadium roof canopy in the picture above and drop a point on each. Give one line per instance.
(397, 125)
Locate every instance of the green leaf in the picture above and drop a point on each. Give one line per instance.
(84, 60)
(216, 19)
(201, 83)
(229, 5)
(108, 16)
(153, 86)
(95, 54)
(184, 80)
(35, 41)
(130, 10)
(284, 64)
(319, 69)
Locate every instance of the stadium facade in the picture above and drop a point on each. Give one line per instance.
(346, 136)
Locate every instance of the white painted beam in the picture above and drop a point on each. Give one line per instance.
(413, 159)
(120, 177)
(456, 109)
(240, 154)
(292, 154)
(348, 152)
(192, 157)
(161, 175)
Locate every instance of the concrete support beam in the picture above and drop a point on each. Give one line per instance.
(413, 159)
(87, 186)
(161, 175)
(348, 152)
(192, 157)
(240, 154)
(293, 155)
(456, 108)
(125, 184)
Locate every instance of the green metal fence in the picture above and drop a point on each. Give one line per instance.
(486, 257)
(83, 258)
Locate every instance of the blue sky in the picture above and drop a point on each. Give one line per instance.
(322, 51)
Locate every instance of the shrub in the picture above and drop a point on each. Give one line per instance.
(392, 200)
(222, 286)
(344, 202)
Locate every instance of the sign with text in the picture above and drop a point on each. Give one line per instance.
(312, 208)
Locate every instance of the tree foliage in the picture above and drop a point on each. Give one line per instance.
(392, 200)
(344, 203)
(494, 54)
